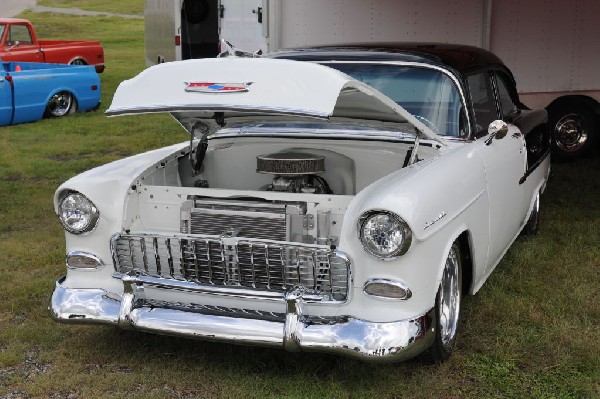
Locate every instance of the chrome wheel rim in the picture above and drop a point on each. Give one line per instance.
(60, 104)
(449, 304)
(570, 133)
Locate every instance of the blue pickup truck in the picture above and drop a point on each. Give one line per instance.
(30, 91)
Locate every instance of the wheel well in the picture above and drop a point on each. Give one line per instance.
(83, 61)
(575, 100)
(467, 261)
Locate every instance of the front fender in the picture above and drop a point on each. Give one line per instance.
(427, 195)
(439, 200)
(107, 185)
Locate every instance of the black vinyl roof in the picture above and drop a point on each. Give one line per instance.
(462, 58)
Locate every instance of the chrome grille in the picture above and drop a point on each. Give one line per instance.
(248, 264)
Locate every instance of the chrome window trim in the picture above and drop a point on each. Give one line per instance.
(445, 71)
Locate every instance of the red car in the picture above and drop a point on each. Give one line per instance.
(18, 42)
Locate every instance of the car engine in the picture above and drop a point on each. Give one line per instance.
(294, 172)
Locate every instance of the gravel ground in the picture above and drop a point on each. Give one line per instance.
(10, 8)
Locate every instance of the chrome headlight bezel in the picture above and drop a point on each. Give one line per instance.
(76, 205)
(398, 228)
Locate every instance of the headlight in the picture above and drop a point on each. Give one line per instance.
(77, 214)
(384, 234)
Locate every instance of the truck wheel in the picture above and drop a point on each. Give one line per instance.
(61, 104)
(78, 61)
(447, 308)
(573, 130)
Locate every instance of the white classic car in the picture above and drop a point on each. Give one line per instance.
(335, 199)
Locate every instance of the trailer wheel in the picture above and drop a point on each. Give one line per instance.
(61, 104)
(573, 129)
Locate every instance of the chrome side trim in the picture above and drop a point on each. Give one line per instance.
(343, 335)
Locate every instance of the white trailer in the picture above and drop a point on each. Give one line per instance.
(550, 45)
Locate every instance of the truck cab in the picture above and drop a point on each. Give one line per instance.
(18, 42)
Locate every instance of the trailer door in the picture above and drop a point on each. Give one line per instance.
(242, 24)
(200, 28)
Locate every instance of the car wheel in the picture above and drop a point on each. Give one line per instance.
(573, 130)
(533, 223)
(61, 104)
(447, 308)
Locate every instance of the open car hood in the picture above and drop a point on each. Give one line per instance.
(213, 91)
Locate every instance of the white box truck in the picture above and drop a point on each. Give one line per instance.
(551, 46)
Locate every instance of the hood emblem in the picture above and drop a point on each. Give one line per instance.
(212, 87)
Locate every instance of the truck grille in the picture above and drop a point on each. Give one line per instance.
(248, 264)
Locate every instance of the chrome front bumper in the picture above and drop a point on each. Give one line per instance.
(294, 331)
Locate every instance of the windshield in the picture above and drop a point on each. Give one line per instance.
(429, 95)
(2, 27)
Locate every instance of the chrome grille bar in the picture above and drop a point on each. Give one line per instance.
(235, 262)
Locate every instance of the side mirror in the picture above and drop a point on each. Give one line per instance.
(498, 129)
(15, 44)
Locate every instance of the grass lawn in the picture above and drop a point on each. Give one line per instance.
(118, 7)
(531, 332)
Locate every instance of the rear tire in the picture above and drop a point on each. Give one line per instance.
(61, 104)
(447, 308)
(573, 127)
(78, 61)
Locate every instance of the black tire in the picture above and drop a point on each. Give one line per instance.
(78, 61)
(532, 227)
(447, 308)
(573, 127)
(61, 104)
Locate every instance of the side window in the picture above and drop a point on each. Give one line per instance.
(482, 98)
(19, 33)
(506, 101)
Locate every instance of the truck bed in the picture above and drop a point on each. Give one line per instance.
(14, 67)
